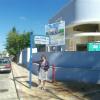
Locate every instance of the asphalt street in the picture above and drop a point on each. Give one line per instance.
(7, 87)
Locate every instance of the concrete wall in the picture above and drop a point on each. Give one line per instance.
(24, 56)
(78, 66)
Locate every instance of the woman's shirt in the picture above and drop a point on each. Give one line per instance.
(43, 63)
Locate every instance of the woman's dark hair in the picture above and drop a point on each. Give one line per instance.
(43, 56)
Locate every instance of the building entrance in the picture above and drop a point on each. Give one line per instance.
(81, 47)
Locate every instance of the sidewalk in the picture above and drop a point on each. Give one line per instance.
(54, 91)
(7, 87)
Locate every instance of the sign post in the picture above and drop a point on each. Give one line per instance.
(30, 66)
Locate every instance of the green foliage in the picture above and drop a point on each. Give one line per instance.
(16, 42)
(61, 31)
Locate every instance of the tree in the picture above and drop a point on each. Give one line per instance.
(16, 42)
(11, 42)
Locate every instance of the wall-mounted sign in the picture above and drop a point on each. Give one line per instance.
(95, 46)
(56, 33)
(41, 40)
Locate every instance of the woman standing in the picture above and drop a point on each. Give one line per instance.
(42, 71)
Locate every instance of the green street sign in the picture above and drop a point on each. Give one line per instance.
(95, 46)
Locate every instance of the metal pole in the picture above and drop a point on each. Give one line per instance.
(53, 73)
(30, 67)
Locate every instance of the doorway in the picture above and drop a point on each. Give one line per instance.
(81, 47)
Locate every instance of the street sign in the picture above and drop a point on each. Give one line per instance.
(95, 46)
(41, 39)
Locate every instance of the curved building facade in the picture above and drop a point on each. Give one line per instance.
(82, 20)
(87, 11)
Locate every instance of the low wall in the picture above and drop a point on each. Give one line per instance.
(79, 66)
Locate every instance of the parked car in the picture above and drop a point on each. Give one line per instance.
(5, 65)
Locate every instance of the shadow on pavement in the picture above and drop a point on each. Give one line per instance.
(84, 90)
(20, 82)
(27, 96)
(21, 77)
(3, 90)
(33, 84)
(58, 98)
(5, 72)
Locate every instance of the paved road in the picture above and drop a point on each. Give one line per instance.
(7, 87)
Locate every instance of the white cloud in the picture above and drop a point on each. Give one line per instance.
(22, 18)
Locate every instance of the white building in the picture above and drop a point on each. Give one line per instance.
(82, 19)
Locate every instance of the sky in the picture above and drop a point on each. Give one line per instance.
(26, 15)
